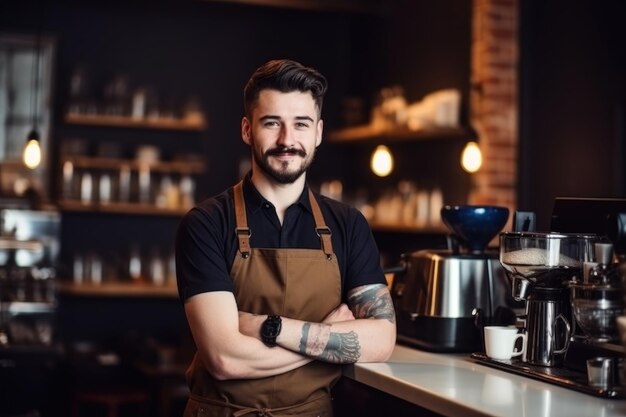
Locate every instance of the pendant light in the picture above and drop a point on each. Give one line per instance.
(381, 161)
(32, 151)
(471, 158)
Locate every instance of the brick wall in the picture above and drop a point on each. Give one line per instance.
(494, 100)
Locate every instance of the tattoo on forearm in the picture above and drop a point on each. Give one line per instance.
(314, 339)
(319, 342)
(342, 348)
(372, 301)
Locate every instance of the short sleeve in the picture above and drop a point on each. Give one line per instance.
(201, 263)
(363, 259)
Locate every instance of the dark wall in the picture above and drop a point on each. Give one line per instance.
(422, 46)
(183, 49)
(207, 50)
(573, 96)
(189, 48)
(429, 44)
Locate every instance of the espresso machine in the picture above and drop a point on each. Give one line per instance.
(541, 266)
(443, 297)
(572, 282)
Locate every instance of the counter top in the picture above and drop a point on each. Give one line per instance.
(455, 385)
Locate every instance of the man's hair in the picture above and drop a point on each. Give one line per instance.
(285, 76)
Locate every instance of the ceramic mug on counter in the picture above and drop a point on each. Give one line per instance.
(500, 342)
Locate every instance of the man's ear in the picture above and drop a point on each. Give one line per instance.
(246, 127)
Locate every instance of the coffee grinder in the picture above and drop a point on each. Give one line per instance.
(443, 297)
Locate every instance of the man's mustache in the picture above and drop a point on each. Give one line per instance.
(283, 150)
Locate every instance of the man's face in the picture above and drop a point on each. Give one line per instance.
(284, 131)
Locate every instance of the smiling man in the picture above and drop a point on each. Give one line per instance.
(281, 285)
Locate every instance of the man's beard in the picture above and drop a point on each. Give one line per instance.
(282, 176)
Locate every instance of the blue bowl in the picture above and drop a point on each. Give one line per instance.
(475, 226)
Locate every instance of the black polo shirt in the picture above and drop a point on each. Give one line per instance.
(206, 244)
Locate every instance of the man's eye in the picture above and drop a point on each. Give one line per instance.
(270, 123)
(302, 125)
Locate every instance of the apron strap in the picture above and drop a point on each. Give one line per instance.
(243, 231)
(241, 221)
(321, 229)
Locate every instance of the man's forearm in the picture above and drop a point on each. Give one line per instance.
(364, 332)
(367, 333)
(343, 342)
(319, 341)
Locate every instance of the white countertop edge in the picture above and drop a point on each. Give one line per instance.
(455, 385)
(370, 375)
(408, 392)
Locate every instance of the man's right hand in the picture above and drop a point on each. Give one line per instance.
(341, 313)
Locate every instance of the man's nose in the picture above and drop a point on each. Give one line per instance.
(286, 136)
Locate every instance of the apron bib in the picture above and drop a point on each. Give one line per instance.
(303, 284)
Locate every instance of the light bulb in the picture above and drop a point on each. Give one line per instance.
(32, 154)
(472, 158)
(382, 161)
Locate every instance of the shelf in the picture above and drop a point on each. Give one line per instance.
(119, 208)
(126, 121)
(375, 7)
(408, 228)
(184, 167)
(26, 307)
(118, 289)
(369, 133)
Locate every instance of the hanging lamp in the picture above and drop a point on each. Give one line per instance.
(471, 157)
(32, 151)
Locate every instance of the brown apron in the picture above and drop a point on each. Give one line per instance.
(303, 284)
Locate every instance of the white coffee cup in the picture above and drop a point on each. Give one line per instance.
(500, 342)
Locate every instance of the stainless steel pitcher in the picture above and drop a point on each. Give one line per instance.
(547, 326)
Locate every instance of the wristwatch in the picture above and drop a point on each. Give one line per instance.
(270, 330)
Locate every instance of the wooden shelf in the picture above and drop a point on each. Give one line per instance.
(408, 228)
(183, 167)
(369, 133)
(118, 289)
(118, 208)
(376, 7)
(126, 121)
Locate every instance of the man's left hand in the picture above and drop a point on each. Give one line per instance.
(250, 324)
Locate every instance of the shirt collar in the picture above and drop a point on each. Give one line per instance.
(255, 201)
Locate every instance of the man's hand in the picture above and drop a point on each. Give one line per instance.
(341, 313)
(250, 324)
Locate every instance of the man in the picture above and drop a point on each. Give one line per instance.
(280, 285)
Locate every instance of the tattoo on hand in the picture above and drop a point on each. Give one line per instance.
(372, 301)
(319, 342)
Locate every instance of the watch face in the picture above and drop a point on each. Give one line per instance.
(270, 330)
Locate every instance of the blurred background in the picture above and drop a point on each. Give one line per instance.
(136, 107)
